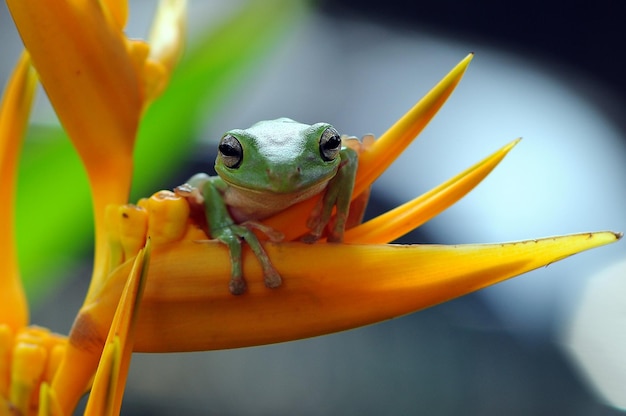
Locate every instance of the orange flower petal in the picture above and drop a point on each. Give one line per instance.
(48, 403)
(109, 353)
(27, 360)
(83, 64)
(392, 143)
(399, 221)
(83, 61)
(102, 397)
(28, 365)
(99, 83)
(187, 305)
(110, 381)
(117, 10)
(166, 44)
(14, 113)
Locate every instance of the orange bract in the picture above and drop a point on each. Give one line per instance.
(14, 112)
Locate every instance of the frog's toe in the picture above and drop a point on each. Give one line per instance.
(335, 236)
(310, 238)
(273, 280)
(237, 286)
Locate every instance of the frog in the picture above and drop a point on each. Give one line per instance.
(265, 169)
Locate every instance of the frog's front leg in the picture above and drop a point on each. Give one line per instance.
(208, 191)
(231, 235)
(338, 194)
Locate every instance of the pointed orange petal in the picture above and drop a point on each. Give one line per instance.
(377, 158)
(392, 143)
(405, 218)
(167, 35)
(110, 380)
(6, 348)
(102, 395)
(187, 305)
(48, 404)
(83, 64)
(166, 40)
(14, 113)
(117, 10)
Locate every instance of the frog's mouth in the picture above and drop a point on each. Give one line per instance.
(291, 182)
(289, 189)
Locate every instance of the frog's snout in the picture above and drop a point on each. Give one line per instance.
(285, 180)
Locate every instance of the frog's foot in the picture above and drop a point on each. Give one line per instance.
(271, 278)
(337, 228)
(232, 236)
(237, 285)
(270, 275)
(317, 221)
(190, 192)
(310, 238)
(321, 218)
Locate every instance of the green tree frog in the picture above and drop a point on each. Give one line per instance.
(265, 169)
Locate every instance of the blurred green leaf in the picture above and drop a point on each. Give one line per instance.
(54, 217)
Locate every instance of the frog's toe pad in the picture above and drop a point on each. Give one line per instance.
(237, 286)
(310, 238)
(273, 280)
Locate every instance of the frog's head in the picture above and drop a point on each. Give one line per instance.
(279, 156)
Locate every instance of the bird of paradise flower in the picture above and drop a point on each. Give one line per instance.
(153, 288)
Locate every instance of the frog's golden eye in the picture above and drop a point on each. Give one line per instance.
(230, 151)
(330, 144)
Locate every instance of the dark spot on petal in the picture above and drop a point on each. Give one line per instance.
(85, 334)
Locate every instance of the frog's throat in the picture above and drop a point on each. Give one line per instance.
(253, 204)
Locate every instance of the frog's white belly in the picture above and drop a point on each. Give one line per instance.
(245, 205)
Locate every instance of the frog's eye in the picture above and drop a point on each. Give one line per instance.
(330, 144)
(231, 151)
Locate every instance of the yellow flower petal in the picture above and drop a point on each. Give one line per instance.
(14, 113)
(127, 227)
(6, 347)
(187, 305)
(85, 350)
(117, 10)
(102, 396)
(48, 404)
(83, 63)
(28, 365)
(166, 44)
(390, 145)
(28, 358)
(99, 83)
(168, 32)
(91, 79)
(399, 221)
(110, 381)
(377, 157)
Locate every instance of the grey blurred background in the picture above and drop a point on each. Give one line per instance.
(541, 344)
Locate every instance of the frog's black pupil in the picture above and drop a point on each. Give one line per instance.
(228, 149)
(333, 142)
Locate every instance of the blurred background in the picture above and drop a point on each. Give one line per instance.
(549, 342)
